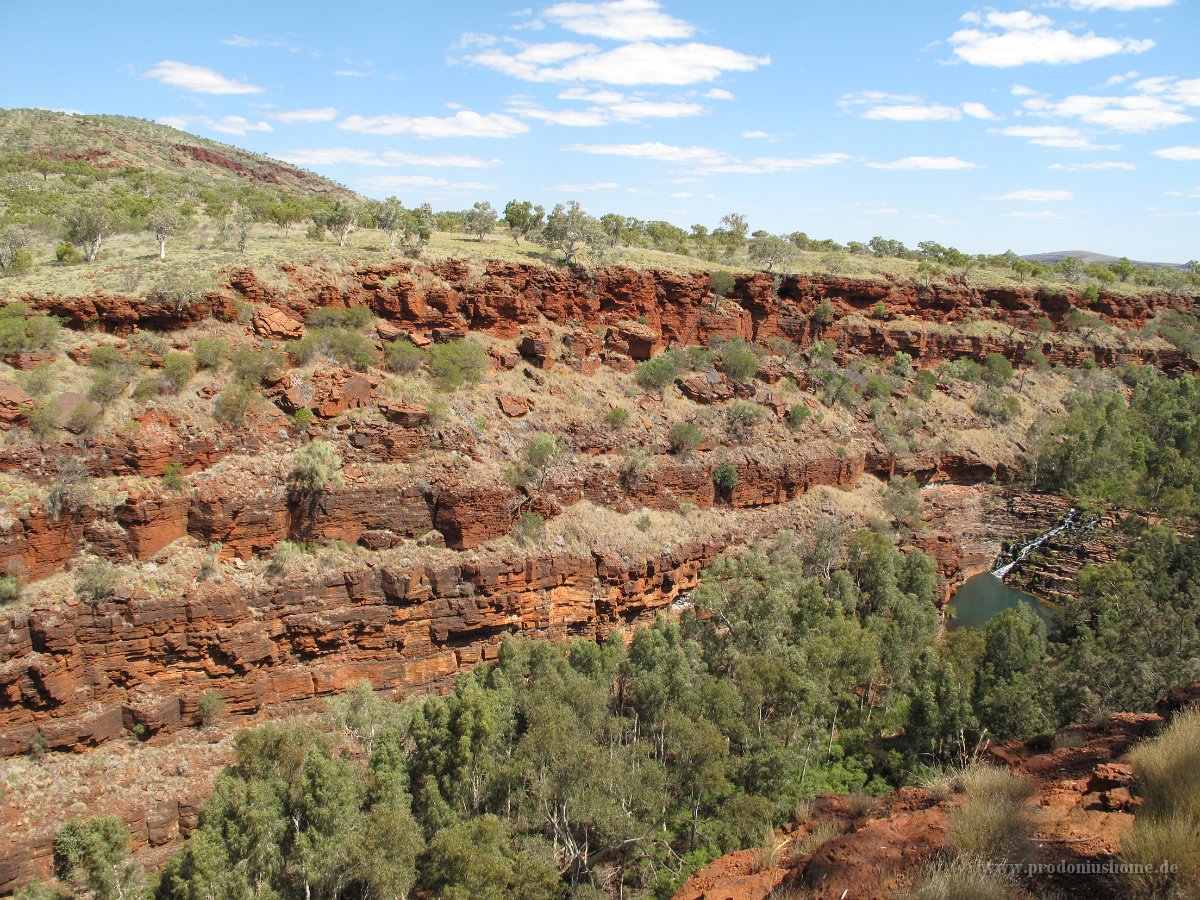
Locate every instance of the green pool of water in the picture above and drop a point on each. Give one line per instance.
(984, 595)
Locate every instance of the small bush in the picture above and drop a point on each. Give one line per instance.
(10, 589)
(316, 467)
(173, 477)
(457, 363)
(68, 254)
(21, 262)
(995, 406)
(824, 313)
(725, 477)
(902, 365)
(536, 459)
(96, 581)
(657, 373)
(178, 369)
(107, 385)
(876, 386)
(1036, 358)
(685, 438)
(530, 528)
(633, 466)
(352, 348)
(616, 418)
(739, 361)
(963, 369)
(232, 404)
(209, 707)
(879, 311)
(797, 415)
(742, 417)
(22, 331)
(285, 555)
(924, 384)
(721, 282)
(997, 370)
(403, 356)
(303, 417)
(210, 352)
(992, 824)
(256, 366)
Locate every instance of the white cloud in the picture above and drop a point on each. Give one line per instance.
(462, 124)
(1194, 192)
(979, 111)
(1156, 103)
(755, 135)
(227, 125)
(911, 112)
(1061, 137)
(1040, 214)
(610, 106)
(1020, 90)
(239, 41)
(334, 156)
(406, 182)
(656, 151)
(1093, 166)
(306, 116)
(1034, 195)
(349, 73)
(709, 160)
(1119, 5)
(1179, 154)
(907, 108)
(584, 188)
(198, 79)
(719, 94)
(630, 64)
(932, 163)
(619, 20)
(1004, 40)
(1120, 79)
(578, 93)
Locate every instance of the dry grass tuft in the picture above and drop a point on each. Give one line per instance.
(963, 879)
(992, 825)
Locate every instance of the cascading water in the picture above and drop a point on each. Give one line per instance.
(1070, 520)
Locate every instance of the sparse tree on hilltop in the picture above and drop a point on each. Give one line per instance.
(770, 251)
(287, 212)
(570, 229)
(522, 219)
(480, 220)
(389, 218)
(339, 219)
(87, 226)
(164, 222)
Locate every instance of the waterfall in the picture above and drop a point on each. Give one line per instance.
(1069, 520)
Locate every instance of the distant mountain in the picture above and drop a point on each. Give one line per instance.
(1088, 256)
(116, 142)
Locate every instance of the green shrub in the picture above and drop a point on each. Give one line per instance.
(96, 581)
(616, 418)
(316, 467)
(685, 438)
(879, 311)
(232, 404)
(178, 369)
(23, 331)
(797, 415)
(824, 312)
(725, 477)
(536, 459)
(107, 385)
(68, 254)
(902, 365)
(634, 464)
(209, 707)
(996, 406)
(962, 369)
(742, 417)
(656, 373)
(876, 386)
(924, 383)
(210, 352)
(456, 363)
(10, 589)
(1036, 358)
(721, 282)
(303, 417)
(173, 477)
(21, 262)
(739, 361)
(256, 366)
(352, 348)
(997, 370)
(403, 356)
(530, 528)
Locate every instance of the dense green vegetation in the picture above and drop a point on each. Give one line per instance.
(1141, 453)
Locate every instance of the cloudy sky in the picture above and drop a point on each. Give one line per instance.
(1062, 124)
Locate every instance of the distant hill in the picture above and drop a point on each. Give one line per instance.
(1089, 257)
(116, 142)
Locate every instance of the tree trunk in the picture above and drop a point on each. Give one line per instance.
(162, 248)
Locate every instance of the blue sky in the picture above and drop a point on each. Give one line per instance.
(1063, 124)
